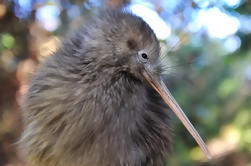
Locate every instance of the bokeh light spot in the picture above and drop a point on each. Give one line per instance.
(232, 44)
(248, 72)
(227, 87)
(3, 10)
(159, 26)
(247, 136)
(232, 3)
(217, 23)
(196, 153)
(8, 41)
(48, 17)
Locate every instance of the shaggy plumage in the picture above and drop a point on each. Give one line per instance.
(89, 105)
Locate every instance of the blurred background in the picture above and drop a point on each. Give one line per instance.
(206, 45)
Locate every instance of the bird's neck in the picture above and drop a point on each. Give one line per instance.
(119, 87)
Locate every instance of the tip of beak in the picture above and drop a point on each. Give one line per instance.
(209, 155)
(160, 87)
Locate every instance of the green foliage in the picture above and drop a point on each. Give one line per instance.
(7, 41)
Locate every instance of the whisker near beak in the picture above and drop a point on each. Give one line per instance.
(161, 88)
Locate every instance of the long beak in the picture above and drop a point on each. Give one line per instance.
(160, 87)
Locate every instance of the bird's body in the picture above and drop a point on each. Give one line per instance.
(84, 107)
(90, 103)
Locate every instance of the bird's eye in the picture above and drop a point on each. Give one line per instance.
(143, 57)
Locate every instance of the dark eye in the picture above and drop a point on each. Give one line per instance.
(144, 55)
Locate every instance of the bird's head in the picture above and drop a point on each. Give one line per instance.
(125, 43)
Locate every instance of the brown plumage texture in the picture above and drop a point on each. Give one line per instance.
(89, 105)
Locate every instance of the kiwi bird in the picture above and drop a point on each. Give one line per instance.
(99, 99)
